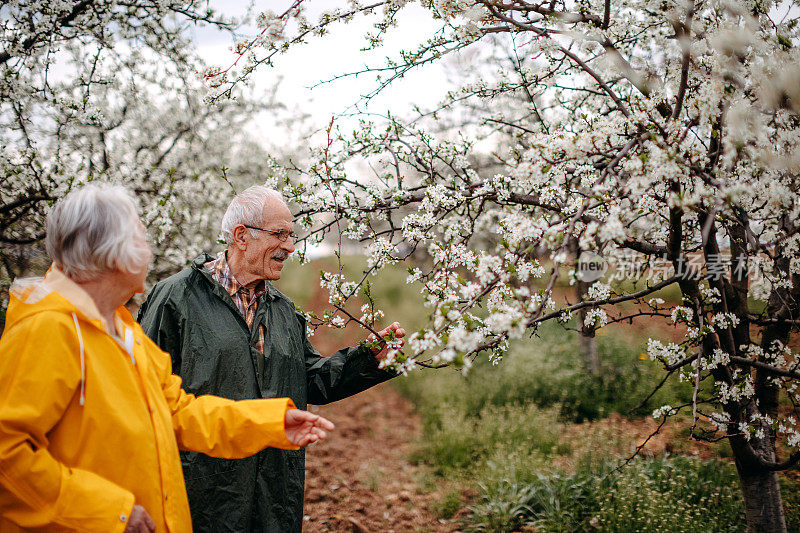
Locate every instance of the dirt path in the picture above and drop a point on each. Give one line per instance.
(359, 479)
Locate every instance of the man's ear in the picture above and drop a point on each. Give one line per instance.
(239, 240)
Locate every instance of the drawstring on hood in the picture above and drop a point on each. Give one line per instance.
(83, 363)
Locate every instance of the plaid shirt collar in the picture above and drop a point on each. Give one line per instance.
(222, 274)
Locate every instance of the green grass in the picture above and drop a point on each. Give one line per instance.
(504, 430)
(675, 494)
(678, 494)
(457, 442)
(448, 505)
(790, 491)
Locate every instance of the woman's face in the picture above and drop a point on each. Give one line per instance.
(135, 278)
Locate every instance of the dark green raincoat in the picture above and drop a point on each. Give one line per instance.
(192, 317)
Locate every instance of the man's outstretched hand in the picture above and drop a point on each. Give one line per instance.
(395, 332)
(302, 428)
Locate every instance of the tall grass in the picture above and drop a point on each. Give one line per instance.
(790, 491)
(675, 494)
(457, 442)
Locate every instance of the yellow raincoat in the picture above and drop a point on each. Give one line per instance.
(91, 422)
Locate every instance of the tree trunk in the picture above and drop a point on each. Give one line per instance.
(761, 490)
(588, 343)
(588, 347)
(762, 493)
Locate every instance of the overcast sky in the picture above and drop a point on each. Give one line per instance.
(336, 53)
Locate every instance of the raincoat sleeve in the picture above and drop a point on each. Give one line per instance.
(220, 427)
(39, 377)
(347, 372)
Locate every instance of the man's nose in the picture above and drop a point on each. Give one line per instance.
(288, 245)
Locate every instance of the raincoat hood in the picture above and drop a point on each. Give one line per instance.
(56, 292)
(30, 296)
(26, 300)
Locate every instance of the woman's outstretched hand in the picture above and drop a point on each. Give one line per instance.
(139, 521)
(302, 428)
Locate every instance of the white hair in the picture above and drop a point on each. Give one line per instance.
(247, 208)
(93, 230)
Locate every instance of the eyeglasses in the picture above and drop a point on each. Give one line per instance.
(281, 235)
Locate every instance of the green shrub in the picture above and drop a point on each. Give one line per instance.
(502, 507)
(548, 371)
(554, 501)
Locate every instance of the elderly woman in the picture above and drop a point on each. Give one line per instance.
(91, 416)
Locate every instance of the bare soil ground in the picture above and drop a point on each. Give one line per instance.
(359, 479)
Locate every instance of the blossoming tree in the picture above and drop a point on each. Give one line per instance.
(108, 90)
(640, 130)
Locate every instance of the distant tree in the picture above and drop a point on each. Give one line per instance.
(665, 137)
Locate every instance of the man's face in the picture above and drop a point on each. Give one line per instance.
(265, 253)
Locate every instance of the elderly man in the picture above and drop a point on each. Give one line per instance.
(231, 333)
(91, 416)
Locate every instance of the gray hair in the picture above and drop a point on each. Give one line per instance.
(92, 230)
(247, 208)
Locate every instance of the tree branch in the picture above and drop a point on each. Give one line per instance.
(61, 21)
(766, 367)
